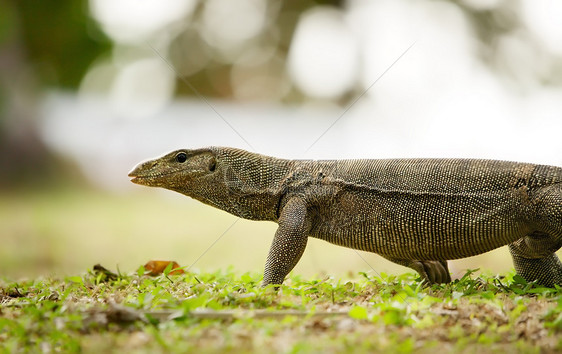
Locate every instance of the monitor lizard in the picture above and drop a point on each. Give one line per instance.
(415, 212)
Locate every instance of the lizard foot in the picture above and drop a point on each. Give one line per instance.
(432, 272)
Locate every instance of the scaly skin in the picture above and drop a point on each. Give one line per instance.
(415, 212)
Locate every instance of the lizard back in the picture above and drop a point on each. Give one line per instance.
(426, 208)
(441, 176)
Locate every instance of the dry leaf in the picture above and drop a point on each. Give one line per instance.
(157, 267)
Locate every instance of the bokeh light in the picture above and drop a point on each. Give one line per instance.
(324, 55)
(133, 21)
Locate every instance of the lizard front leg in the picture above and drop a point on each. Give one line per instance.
(289, 242)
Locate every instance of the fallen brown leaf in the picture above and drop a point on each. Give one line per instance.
(158, 267)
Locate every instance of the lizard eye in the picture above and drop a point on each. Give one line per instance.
(212, 165)
(181, 157)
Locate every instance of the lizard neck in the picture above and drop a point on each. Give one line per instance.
(246, 184)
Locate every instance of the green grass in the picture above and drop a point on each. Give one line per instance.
(224, 311)
(63, 231)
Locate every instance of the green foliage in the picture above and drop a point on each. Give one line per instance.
(226, 311)
(60, 39)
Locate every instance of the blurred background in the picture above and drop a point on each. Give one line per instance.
(90, 88)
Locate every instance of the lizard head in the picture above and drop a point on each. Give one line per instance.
(234, 180)
(176, 170)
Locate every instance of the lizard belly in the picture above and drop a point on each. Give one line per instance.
(422, 226)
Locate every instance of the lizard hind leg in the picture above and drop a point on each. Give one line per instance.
(534, 259)
(431, 272)
(533, 255)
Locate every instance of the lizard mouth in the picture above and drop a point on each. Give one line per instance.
(148, 178)
(139, 179)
